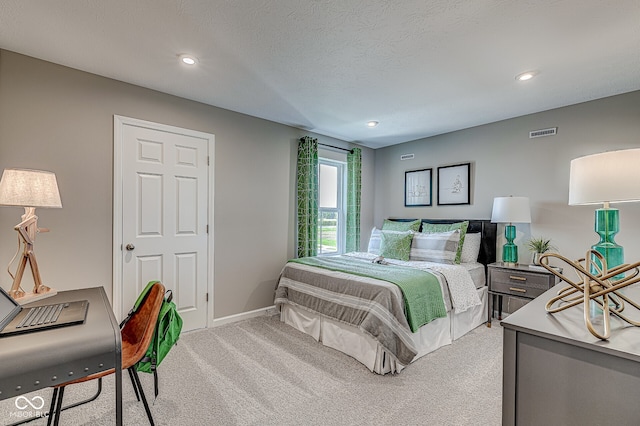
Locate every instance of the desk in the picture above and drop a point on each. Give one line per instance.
(29, 362)
(556, 372)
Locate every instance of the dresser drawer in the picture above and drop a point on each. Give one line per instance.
(518, 283)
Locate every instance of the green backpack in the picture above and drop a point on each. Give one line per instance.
(166, 335)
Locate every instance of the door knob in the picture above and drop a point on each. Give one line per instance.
(130, 247)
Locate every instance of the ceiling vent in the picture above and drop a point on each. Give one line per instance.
(543, 132)
(406, 157)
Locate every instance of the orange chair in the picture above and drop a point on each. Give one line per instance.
(137, 333)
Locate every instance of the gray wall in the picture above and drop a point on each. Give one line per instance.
(506, 162)
(59, 119)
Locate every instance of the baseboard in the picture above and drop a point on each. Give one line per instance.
(269, 310)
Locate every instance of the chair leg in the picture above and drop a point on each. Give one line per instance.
(52, 412)
(133, 383)
(144, 399)
(56, 400)
(59, 406)
(97, 394)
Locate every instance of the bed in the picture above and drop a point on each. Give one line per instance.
(342, 304)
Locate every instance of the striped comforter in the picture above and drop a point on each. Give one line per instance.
(375, 307)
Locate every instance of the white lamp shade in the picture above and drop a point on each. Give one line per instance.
(511, 210)
(608, 177)
(29, 188)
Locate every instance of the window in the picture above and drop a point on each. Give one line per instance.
(331, 206)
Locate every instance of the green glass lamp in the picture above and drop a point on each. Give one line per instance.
(510, 210)
(606, 178)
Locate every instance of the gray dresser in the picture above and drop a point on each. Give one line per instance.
(557, 373)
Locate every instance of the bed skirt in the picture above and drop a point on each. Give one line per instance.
(364, 348)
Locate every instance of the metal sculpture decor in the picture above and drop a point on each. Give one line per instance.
(597, 285)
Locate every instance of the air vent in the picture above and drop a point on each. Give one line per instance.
(543, 132)
(407, 157)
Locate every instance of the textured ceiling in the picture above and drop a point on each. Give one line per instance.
(420, 67)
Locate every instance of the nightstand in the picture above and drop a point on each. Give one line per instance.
(519, 281)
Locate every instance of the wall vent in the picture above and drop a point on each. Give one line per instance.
(406, 157)
(543, 132)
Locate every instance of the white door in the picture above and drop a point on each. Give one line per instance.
(164, 190)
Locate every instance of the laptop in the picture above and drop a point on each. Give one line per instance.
(16, 319)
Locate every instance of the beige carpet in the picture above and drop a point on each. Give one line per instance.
(262, 372)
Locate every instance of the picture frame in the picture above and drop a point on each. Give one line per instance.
(417, 188)
(454, 184)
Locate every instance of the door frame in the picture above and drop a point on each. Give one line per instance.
(118, 123)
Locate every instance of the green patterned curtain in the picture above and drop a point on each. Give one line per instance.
(354, 167)
(307, 197)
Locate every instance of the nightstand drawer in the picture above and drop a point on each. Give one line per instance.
(519, 283)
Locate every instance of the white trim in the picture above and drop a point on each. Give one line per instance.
(118, 123)
(116, 298)
(211, 263)
(268, 311)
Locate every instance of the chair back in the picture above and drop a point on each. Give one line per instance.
(137, 333)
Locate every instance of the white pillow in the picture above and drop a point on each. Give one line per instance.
(471, 248)
(440, 247)
(374, 242)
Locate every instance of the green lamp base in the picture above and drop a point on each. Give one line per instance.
(510, 250)
(607, 225)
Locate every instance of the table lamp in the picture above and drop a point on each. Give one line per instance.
(606, 178)
(29, 189)
(510, 210)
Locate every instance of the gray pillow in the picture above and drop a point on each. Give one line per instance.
(440, 247)
(443, 227)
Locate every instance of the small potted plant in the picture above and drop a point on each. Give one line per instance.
(539, 246)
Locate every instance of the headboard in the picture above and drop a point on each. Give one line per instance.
(488, 230)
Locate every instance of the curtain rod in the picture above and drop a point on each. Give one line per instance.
(334, 147)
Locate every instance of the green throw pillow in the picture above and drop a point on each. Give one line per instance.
(430, 228)
(395, 246)
(392, 225)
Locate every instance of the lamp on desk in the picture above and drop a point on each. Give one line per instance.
(29, 189)
(510, 210)
(606, 178)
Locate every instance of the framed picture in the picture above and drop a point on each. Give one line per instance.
(454, 184)
(417, 188)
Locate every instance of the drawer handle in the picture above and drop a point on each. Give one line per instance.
(520, 290)
(517, 278)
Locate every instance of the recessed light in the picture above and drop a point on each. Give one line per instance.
(188, 59)
(372, 123)
(526, 75)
